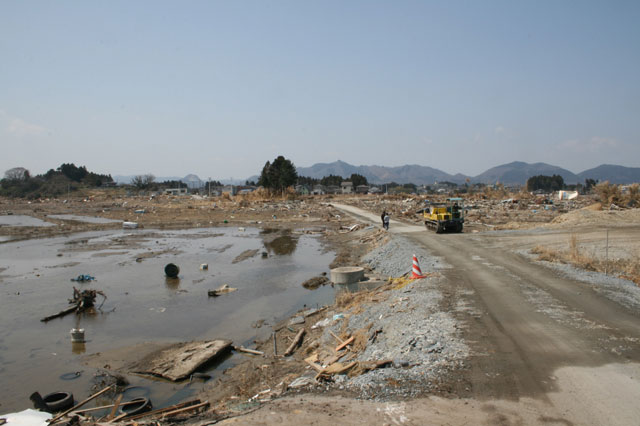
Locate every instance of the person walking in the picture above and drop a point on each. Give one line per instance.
(385, 221)
(384, 213)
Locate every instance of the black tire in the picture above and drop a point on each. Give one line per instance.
(58, 401)
(142, 405)
(171, 270)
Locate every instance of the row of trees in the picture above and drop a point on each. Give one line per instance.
(281, 174)
(18, 182)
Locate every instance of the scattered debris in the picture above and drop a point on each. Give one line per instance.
(315, 282)
(83, 278)
(249, 351)
(222, 290)
(296, 342)
(82, 300)
(171, 270)
(180, 360)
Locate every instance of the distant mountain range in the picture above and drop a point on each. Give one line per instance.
(515, 173)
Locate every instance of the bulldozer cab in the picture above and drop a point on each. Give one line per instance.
(445, 216)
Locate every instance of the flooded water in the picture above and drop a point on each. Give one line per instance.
(22, 220)
(142, 304)
(86, 219)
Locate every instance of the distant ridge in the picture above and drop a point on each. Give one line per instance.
(612, 173)
(518, 172)
(515, 173)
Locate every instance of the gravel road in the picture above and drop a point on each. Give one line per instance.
(519, 343)
(532, 332)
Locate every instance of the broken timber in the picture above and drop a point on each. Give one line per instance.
(179, 361)
(249, 351)
(345, 343)
(60, 314)
(296, 342)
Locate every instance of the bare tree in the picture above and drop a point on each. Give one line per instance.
(17, 173)
(143, 181)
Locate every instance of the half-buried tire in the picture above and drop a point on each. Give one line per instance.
(58, 401)
(139, 406)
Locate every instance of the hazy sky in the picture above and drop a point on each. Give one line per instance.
(218, 88)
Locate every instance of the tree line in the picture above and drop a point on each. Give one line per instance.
(18, 181)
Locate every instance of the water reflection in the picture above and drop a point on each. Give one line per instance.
(279, 242)
(172, 283)
(78, 348)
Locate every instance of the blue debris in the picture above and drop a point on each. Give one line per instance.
(83, 278)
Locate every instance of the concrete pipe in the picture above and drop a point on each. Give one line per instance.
(347, 274)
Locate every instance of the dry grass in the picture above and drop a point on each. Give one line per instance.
(613, 194)
(628, 268)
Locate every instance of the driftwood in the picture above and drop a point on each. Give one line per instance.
(345, 343)
(81, 300)
(114, 410)
(186, 409)
(165, 409)
(275, 345)
(296, 341)
(80, 404)
(336, 337)
(60, 314)
(102, 407)
(313, 362)
(249, 351)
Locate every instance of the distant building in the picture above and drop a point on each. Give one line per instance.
(176, 191)
(229, 189)
(319, 190)
(362, 189)
(302, 189)
(332, 189)
(374, 190)
(347, 187)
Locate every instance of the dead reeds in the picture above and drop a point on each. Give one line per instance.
(627, 268)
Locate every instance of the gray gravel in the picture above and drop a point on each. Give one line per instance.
(622, 291)
(395, 258)
(424, 342)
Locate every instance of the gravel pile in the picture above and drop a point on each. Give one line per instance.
(423, 342)
(395, 258)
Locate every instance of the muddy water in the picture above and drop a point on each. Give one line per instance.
(142, 304)
(86, 219)
(22, 220)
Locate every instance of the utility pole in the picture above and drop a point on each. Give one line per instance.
(606, 264)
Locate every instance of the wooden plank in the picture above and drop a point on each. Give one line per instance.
(249, 351)
(345, 343)
(113, 412)
(60, 314)
(164, 410)
(179, 361)
(296, 341)
(186, 409)
(275, 345)
(312, 362)
(80, 404)
(336, 337)
(102, 407)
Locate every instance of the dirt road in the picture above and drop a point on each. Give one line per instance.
(555, 347)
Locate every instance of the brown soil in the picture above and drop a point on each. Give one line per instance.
(504, 383)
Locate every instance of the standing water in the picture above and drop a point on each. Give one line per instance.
(142, 304)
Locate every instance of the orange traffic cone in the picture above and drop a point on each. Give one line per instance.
(416, 273)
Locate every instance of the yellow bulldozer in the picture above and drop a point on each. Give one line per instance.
(445, 217)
